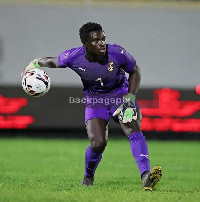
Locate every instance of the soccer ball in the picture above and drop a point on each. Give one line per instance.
(36, 82)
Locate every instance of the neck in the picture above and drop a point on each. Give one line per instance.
(93, 58)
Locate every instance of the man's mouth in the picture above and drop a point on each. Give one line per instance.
(103, 49)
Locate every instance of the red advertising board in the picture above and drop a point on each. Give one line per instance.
(162, 110)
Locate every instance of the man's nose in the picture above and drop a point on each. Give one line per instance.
(102, 42)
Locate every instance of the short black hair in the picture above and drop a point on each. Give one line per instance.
(87, 28)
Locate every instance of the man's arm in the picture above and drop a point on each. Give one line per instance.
(51, 62)
(127, 111)
(134, 80)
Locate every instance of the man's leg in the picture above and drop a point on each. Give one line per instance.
(138, 143)
(139, 151)
(97, 134)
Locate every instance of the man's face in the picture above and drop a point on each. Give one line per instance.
(96, 43)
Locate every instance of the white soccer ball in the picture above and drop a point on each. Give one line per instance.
(36, 82)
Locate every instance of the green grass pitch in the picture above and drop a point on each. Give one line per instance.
(52, 170)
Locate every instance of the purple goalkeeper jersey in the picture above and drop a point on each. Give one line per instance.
(96, 77)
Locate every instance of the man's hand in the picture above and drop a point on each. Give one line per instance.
(127, 111)
(32, 65)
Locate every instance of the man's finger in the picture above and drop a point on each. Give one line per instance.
(117, 112)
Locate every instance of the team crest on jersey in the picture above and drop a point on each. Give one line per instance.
(110, 68)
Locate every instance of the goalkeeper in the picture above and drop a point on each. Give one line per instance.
(102, 69)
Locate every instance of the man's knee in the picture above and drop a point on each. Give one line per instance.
(98, 146)
(129, 128)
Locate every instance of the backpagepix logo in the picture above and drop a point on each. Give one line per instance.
(10, 106)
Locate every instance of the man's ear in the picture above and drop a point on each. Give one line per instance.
(85, 44)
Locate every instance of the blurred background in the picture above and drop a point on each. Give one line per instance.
(163, 36)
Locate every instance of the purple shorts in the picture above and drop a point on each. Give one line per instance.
(103, 105)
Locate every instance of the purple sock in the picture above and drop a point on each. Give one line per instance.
(139, 150)
(92, 160)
